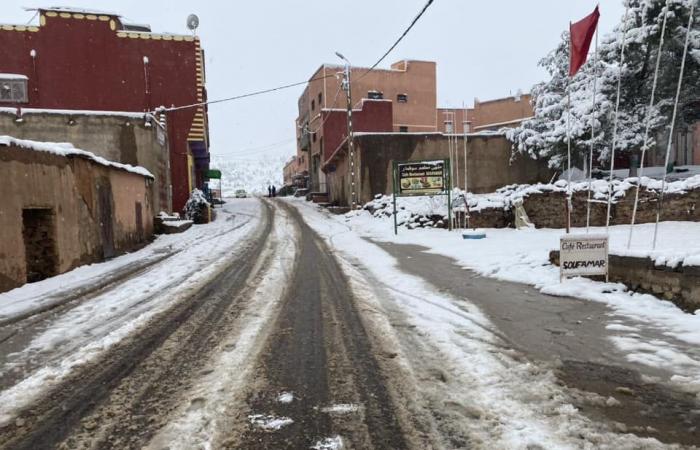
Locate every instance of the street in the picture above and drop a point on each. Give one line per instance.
(290, 344)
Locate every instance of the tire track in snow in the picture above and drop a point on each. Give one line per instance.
(149, 361)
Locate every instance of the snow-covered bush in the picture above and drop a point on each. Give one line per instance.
(197, 207)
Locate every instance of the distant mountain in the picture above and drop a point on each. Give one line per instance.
(252, 175)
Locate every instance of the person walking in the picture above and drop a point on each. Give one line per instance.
(269, 191)
(274, 191)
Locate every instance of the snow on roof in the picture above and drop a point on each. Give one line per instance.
(67, 149)
(69, 9)
(13, 76)
(76, 112)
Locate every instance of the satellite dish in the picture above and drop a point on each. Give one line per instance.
(192, 22)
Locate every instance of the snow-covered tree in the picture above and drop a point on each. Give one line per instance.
(544, 136)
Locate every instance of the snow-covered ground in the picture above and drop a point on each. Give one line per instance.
(253, 175)
(512, 403)
(523, 256)
(86, 330)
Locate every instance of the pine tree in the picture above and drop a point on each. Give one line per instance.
(544, 136)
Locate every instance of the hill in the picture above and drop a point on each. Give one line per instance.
(253, 175)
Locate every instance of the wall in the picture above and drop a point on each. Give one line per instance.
(371, 116)
(71, 187)
(124, 139)
(490, 165)
(546, 209)
(681, 284)
(86, 62)
(489, 114)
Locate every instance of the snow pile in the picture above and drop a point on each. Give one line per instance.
(269, 423)
(426, 212)
(252, 175)
(67, 150)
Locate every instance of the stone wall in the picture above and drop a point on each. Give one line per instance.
(97, 211)
(681, 284)
(121, 138)
(546, 209)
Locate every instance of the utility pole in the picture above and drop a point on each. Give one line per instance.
(351, 145)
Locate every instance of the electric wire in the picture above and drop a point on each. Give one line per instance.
(291, 85)
(403, 35)
(241, 96)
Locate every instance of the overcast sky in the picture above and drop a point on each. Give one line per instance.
(484, 49)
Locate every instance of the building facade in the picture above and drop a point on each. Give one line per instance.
(83, 60)
(63, 207)
(410, 86)
(130, 138)
(490, 115)
(402, 99)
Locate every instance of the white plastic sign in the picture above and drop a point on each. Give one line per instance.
(585, 254)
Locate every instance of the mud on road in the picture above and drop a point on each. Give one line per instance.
(123, 398)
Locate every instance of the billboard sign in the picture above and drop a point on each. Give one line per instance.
(422, 178)
(583, 255)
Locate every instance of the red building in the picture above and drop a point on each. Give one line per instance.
(84, 60)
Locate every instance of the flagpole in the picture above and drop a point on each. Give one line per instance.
(568, 159)
(617, 110)
(673, 122)
(648, 123)
(593, 118)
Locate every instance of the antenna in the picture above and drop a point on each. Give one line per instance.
(193, 22)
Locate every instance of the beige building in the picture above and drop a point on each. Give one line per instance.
(409, 85)
(125, 137)
(63, 207)
(490, 115)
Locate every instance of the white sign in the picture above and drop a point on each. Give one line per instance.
(583, 254)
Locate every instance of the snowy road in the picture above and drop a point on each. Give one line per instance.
(277, 327)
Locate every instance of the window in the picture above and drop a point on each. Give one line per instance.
(375, 95)
(402, 98)
(403, 129)
(314, 137)
(467, 127)
(448, 126)
(320, 99)
(313, 105)
(13, 88)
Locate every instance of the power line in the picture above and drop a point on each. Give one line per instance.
(287, 86)
(403, 35)
(238, 97)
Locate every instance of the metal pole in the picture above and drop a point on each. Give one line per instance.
(673, 121)
(568, 159)
(590, 155)
(351, 145)
(617, 109)
(648, 123)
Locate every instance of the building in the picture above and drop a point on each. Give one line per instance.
(63, 207)
(81, 60)
(130, 138)
(490, 115)
(410, 86)
(490, 160)
(402, 99)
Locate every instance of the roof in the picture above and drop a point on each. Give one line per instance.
(13, 76)
(68, 9)
(67, 150)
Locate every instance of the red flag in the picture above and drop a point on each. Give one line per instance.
(581, 36)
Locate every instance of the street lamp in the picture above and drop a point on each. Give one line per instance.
(351, 145)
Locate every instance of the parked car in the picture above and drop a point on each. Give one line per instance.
(241, 193)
